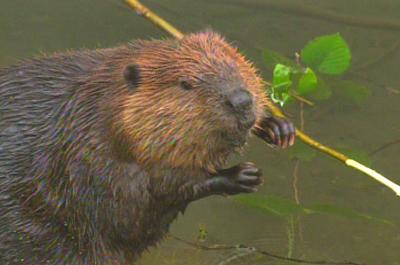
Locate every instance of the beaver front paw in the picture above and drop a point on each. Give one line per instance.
(242, 178)
(276, 131)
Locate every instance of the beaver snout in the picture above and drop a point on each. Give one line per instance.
(241, 102)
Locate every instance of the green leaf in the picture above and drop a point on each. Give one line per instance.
(308, 82)
(322, 92)
(302, 152)
(270, 204)
(285, 208)
(272, 58)
(328, 54)
(281, 84)
(202, 234)
(281, 78)
(358, 93)
(344, 212)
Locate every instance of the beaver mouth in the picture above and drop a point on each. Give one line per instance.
(246, 121)
(233, 139)
(238, 129)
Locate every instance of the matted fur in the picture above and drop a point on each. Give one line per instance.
(93, 172)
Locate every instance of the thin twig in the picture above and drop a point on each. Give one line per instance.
(153, 17)
(392, 91)
(237, 256)
(384, 55)
(303, 100)
(158, 21)
(263, 252)
(302, 121)
(296, 166)
(296, 177)
(295, 181)
(381, 148)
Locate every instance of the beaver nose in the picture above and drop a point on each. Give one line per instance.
(240, 100)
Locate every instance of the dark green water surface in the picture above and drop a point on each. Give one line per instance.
(28, 28)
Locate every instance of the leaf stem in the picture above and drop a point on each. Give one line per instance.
(301, 99)
(161, 23)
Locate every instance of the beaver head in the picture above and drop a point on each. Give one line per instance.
(191, 103)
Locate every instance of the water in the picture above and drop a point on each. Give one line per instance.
(28, 28)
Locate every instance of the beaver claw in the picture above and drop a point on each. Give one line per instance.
(242, 178)
(277, 131)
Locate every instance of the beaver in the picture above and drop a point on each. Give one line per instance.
(100, 150)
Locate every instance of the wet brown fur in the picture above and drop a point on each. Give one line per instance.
(92, 171)
(183, 130)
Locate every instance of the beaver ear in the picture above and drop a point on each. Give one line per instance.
(132, 76)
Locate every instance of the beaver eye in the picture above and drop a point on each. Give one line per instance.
(185, 85)
(132, 76)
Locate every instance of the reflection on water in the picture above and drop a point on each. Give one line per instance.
(30, 27)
